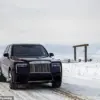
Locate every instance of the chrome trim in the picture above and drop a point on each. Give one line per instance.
(40, 62)
(40, 67)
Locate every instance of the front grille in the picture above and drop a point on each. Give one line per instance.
(39, 68)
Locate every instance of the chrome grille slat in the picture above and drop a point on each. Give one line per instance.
(40, 68)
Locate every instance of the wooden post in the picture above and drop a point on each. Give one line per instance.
(85, 53)
(75, 53)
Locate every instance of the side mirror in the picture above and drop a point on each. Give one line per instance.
(6, 55)
(51, 54)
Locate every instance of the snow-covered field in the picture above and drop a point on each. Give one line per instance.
(90, 70)
(80, 80)
(83, 79)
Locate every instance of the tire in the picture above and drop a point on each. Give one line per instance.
(0, 71)
(57, 80)
(12, 84)
(56, 84)
(2, 78)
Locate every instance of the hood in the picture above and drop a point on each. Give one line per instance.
(35, 59)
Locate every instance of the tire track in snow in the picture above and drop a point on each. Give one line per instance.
(45, 93)
(7, 92)
(19, 95)
(69, 95)
(37, 96)
(41, 93)
(33, 94)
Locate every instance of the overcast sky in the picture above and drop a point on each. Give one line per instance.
(50, 21)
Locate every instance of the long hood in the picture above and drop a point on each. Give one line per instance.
(35, 59)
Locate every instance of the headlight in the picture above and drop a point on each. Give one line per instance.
(56, 65)
(21, 65)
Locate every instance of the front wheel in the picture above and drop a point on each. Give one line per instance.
(12, 84)
(56, 84)
(2, 78)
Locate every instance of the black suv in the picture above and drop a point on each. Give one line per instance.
(29, 63)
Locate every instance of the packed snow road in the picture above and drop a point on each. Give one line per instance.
(41, 92)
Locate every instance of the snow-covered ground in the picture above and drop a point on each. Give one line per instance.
(37, 93)
(90, 70)
(80, 80)
(83, 79)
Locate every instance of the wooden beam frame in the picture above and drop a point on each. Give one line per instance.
(81, 45)
(85, 54)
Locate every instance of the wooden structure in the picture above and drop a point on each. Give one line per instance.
(85, 53)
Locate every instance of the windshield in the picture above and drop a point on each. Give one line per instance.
(29, 51)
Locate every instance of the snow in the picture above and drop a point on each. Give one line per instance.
(39, 93)
(82, 79)
(79, 79)
(83, 70)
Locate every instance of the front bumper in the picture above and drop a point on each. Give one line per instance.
(24, 75)
(35, 78)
